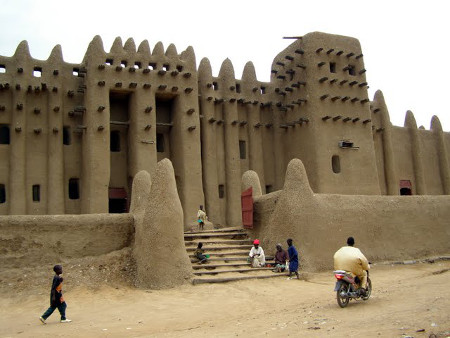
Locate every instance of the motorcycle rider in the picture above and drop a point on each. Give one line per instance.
(351, 259)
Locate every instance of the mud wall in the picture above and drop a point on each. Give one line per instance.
(50, 239)
(409, 153)
(384, 227)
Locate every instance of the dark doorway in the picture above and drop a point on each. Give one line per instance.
(119, 122)
(405, 188)
(164, 123)
(74, 189)
(118, 201)
(118, 205)
(405, 192)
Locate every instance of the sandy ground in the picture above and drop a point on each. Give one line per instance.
(407, 300)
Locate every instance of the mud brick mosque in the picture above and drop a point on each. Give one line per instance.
(73, 136)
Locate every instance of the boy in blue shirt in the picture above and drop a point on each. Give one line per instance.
(56, 297)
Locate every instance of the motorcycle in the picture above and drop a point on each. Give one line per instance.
(348, 287)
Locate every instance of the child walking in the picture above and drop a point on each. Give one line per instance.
(56, 297)
(201, 217)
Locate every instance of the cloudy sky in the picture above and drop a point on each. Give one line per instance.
(405, 43)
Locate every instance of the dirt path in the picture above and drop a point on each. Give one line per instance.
(405, 300)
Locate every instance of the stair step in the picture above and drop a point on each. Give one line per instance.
(228, 247)
(213, 266)
(216, 272)
(188, 236)
(197, 280)
(219, 241)
(234, 259)
(223, 230)
(223, 255)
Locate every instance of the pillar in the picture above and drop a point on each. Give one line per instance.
(436, 127)
(232, 159)
(17, 160)
(95, 167)
(256, 158)
(55, 164)
(209, 144)
(419, 174)
(392, 183)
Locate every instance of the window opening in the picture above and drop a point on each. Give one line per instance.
(66, 136)
(332, 67)
(166, 67)
(221, 191)
(336, 164)
(160, 143)
(115, 141)
(152, 66)
(263, 90)
(238, 88)
(2, 193)
(74, 189)
(37, 71)
(137, 65)
(180, 68)
(36, 193)
(346, 144)
(76, 71)
(215, 86)
(4, 134)
(109, 62)
(242, 150)
(2, 69)
(123, 63)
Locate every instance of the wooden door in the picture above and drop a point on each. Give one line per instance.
(247, 208)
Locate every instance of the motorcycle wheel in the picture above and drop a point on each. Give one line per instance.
(369, 289)
(341, 295)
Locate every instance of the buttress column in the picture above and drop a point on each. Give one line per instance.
(17, 174)
(419, 174)
(251, 90)
(55, 165)
(95, 144)
(389, 164)
(232, 159)
(436, 127)
(209, 143)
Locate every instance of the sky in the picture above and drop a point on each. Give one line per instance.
(405, 43)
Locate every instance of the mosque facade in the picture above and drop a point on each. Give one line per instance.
(73, 136)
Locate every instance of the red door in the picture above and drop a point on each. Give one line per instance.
(247, 208)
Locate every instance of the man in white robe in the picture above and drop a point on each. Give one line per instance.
(257, 257)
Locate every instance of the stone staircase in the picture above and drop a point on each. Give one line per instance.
(228, 249)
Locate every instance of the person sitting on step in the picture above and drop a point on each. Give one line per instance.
(257, 257)
(281, 257)
(199, 253)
